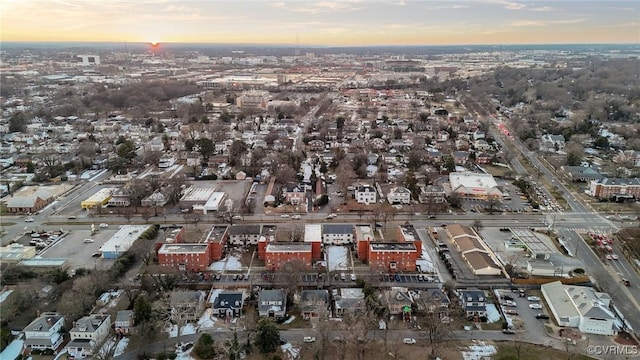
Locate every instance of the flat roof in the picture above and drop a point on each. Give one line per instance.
(122, 240)
(285, 247)
(387, 246)
(337, 228)
(213, 203)
(471, 180)
(532, 241)
(313, 233)
(43, 262)
(101, 195)
(198, 194)
(215, 234)
(183, 248)
(409, 232)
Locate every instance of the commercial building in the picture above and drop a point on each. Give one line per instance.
(474, 185)
(581, 307)
(122, 240)
(610, 188)
(99, 199)
(473, 250)
(15, 252)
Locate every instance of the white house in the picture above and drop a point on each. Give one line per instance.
(473, 301)
(581, 307)
(44, 332)
(87, 333)
(366, 194)
(399, 195)
(337, 234)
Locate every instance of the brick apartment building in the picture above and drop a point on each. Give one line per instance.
(278, 255)
(185, 257)
(608, 188)
(216, 237)
(400, 255)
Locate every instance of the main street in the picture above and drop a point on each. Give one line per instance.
(582, 219)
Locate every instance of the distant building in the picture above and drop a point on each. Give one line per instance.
(122, 240)
(124, 322)
(474, 185)
(473, 250)
(15, 252)
(581, 173)
(98, 199)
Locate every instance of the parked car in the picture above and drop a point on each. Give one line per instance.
(284, 216)
(511, 312)
(104, 225)
(508, 331)
(309, 339)
(87, 241)
(507, 297)
(296, 217)
(72, 217)
(615, 257)
(542, 316)
(509, 303)
(608, 257)
(353, 277)
(533, 298)
(409, 341)
(218, 276)
(535, 306)
(235, 277)
(236, 217)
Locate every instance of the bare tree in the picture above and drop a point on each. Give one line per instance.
(435, 320)
(178, 308)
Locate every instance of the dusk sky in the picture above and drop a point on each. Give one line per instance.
(337, 23)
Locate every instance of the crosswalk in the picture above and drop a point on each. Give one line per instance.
(584, 230)
(569, 213)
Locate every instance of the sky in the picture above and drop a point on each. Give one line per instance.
(322, 23)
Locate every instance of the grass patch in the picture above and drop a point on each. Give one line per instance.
(297, 323)
(525, 351)
(492, 326)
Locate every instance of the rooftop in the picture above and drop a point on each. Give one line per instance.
(215, 234)
(289, 247)
(387, 246)
(184, 248)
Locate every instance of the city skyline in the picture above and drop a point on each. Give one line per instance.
(323, 23)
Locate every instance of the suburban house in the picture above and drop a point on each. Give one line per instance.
(581, 307)
(366, 194)
(228, 304)
(87, 334)
(398, 301)
(44, 332)
(551, 143)
(473, 302)
(432, 300)
(349, 301)
(272, 303)
(124, 322)
(294, 195)
(312, 302)
(399, 195)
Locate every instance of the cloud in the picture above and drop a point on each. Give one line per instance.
(448, 7)
(542, 9)
(325, 6)
(534, 23)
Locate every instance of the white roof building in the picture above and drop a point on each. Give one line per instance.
(474, 185)
(122, 240)
(581, 307)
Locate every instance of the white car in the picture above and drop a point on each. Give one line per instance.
(87, 241)
(309, 339)
(615, 257)
(296, 217)
(236, 217)
(535, 306)
(104, 225)
(533, 298)
(409, 341)
(29, 219)
(353, 277)
(608, 257)
(284, 216)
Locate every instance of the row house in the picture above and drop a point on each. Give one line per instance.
(245, 235)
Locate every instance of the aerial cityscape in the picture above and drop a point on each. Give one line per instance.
(319, 180)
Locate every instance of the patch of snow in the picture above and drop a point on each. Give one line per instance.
(122, 345)
(184, 355)
(382, 325)
(12, 350)
(492, 313)
(105, 349)
(172, 330)
(231, 262)
(4, 295)
(207, 320)
(290, 319)
(289, 351)
(479, 350)
(337, 258)
(213, 295)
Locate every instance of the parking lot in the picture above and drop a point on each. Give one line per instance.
(78, 250)
(526, 317)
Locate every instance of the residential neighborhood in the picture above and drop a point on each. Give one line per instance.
(347, 204)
